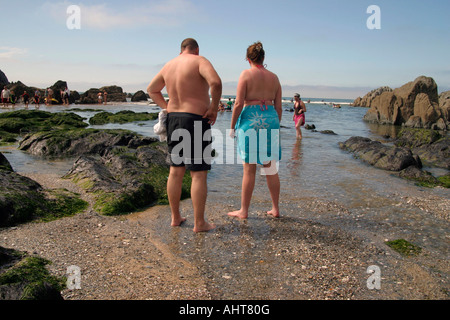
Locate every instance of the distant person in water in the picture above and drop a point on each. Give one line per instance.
(5, 96)
(26, 99)
(189, 80)
(299, 115)
(37, 98)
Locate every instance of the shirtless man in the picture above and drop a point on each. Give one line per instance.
(188, 79)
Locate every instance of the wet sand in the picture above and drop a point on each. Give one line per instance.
(317, 250)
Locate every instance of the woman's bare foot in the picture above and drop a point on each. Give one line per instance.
(238, 214)
(176, 222)
(204, 227)
(274, 213)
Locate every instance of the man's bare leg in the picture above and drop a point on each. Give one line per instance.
(248, 184)
(174, 184)
(199, 191)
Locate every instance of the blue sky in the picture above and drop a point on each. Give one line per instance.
(319, 48)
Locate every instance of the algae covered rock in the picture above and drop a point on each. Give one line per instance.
(73, 143)
(24, 277)
(430, 145)
(121, 117)
(123, 179)
(21, 122)
(23, 199)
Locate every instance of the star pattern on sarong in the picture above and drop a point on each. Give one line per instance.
(258, 121)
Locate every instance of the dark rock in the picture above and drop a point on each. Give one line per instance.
(4, 163)
(431, 146)
(20, 198)
(139, 96)
(3, 79)
(23, 277)
(420, 176)
(328, 132)
(379, 155)
(114, 94)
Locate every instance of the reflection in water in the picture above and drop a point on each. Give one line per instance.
(296, 160)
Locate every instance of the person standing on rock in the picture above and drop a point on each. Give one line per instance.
(188, 79)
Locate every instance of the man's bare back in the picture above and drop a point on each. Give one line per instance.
(188, 79)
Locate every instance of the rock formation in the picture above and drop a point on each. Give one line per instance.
(416, 104)
(139, 96)
(367, 100)
(114, 94)
(3, 79)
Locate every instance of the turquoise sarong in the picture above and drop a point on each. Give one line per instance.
(258, 134)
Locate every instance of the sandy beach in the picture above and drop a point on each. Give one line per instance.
(140, 257)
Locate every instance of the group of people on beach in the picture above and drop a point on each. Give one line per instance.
(195, 89)
(8, 97)
(102, 98)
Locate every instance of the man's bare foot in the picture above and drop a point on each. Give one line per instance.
(238, 214)
(177, 222)
(274, 213)
(204, 227)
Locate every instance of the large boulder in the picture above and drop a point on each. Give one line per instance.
(114, 94)
(366, 101)
(139, 96)
(416, 104)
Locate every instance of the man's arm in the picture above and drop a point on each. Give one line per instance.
(154, 91)
(208, 72)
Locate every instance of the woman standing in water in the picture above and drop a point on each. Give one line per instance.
(299, 115)
(256, 122)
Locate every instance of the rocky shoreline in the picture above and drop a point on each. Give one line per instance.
(138, 256)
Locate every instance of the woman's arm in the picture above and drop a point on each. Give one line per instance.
(278, 104)
(240, 99)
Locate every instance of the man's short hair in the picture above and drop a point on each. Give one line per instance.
(189, 43)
